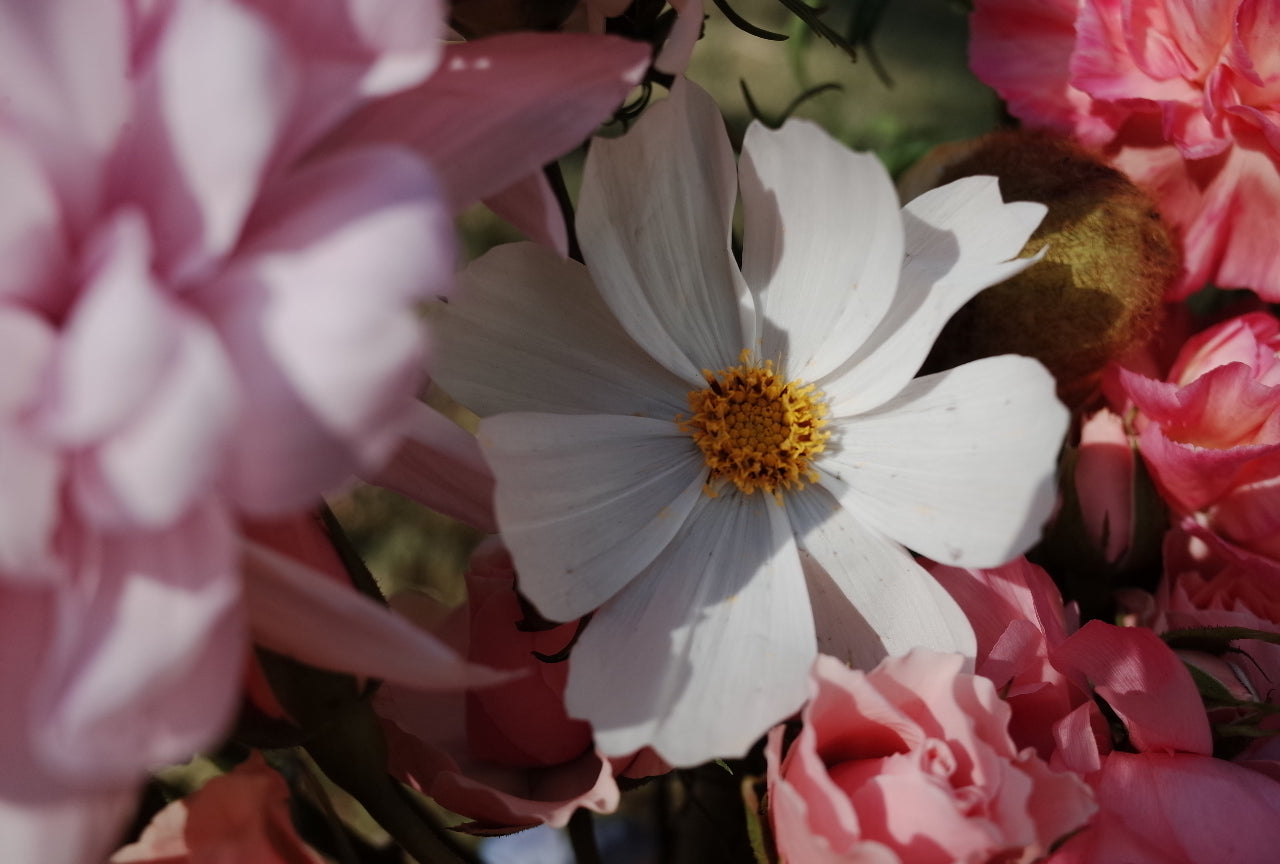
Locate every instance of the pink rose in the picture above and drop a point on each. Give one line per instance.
(1180, 95)
(912, 762)
(506, 756)
(1210, 434)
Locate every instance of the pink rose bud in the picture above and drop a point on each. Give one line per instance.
(1104, 479)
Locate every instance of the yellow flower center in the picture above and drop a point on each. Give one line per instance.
(756, 430)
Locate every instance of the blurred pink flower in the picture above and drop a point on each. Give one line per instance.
(1210, 434)
(207, 314)
(506, 757)
(912, 762)
(1182, 95)
(240, 817)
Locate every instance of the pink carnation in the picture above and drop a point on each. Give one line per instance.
(208, 315)
(1182, 95)
(912, 762)
(1210, 434)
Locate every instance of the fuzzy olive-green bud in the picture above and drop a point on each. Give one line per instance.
(1097, 292)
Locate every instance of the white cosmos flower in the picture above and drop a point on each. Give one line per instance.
(717, 564)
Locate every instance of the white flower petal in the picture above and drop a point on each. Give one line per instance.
(960, 465)
(587, 502)
(870, 598)
(959, 239)
(822, 244)
(654, 221)
(707, 648)
(529, 332)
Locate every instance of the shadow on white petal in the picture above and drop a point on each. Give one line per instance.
(588, 501)
(891, 603)
(708, 647)
(959, 240)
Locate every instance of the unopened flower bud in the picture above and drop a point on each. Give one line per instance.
(1097, 292)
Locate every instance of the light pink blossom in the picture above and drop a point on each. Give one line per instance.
(207, 314)
(1182, 95)
(912, 762)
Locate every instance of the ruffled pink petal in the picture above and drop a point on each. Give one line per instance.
(143, 667)
(43, 818)
(1018, 617)
(64, 87)
(1024, 52)
(222, 120)
(1252, 174)
(166, 457)
(32, 242)
(1122, 55)
(1143, 681)
(1219, 206)
(1191, 478)
(1250, 515)
(799, 838)
(1224, 408)
(29, 470)
(320, 322)
(1250, 339)
(500, 108)
(118, 341)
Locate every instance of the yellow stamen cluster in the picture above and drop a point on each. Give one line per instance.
(756, 430)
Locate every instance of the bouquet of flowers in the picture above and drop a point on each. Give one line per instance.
(756, 506)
